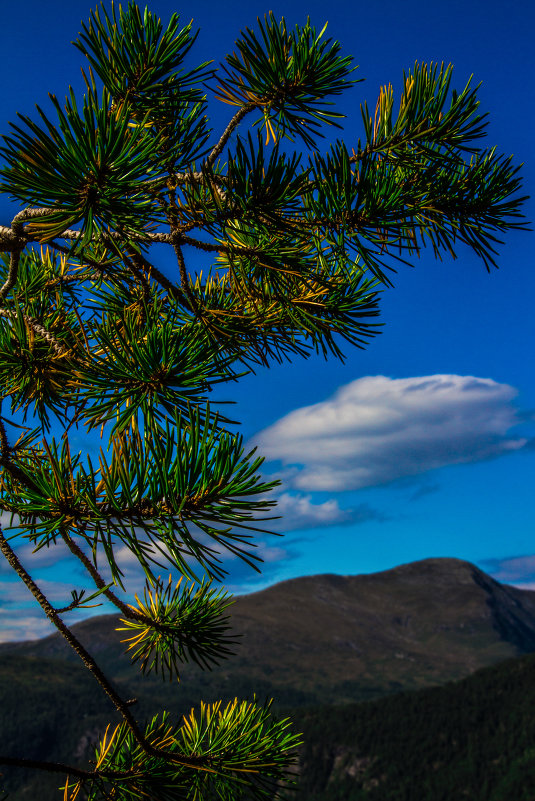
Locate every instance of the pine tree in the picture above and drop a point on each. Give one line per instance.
(94, 335)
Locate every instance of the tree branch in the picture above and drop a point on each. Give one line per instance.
(49, 767)
(13, 272)
(184, 279)
(8, 240)
(101, 584)
(40, 330)
(182, 178)
(120, 705)
(237, 118)
(29, 213)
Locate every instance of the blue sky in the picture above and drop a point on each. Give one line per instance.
(422, 444)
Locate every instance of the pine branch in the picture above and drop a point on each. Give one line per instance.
(86, 658)
(127, 610)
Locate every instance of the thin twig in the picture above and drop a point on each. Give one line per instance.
(182, 178)
(184, 279)
(16, 473)
(70, 770)
(173, 290)
(237, 118)
(101, 584)
(198, 762)
(49, 767)
(135, 265)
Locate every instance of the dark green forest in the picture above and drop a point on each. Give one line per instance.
(472, 739)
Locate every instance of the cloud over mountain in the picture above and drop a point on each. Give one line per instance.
(516, 570)
(376, 430)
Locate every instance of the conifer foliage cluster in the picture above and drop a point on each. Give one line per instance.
(99, 338)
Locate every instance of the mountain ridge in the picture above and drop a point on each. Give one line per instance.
(414, 625)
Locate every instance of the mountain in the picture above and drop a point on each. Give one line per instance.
(315, 640)
(332, 639)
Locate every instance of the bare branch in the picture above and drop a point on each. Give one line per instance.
(235, 121)
(28, 213)
(49, 767)
(101, 584)
(9, 240)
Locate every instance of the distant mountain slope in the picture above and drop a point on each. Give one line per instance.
(346, 638)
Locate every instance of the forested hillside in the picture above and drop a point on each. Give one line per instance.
(472, 739)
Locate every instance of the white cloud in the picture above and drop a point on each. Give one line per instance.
(21, 617)
(15, 594)
(299, 512)
(27, 626)
(35, 560)
(377, 429)
(516, 570)
(241, 576)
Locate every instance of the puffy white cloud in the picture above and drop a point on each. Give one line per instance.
(298, 511)
(377, 429)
